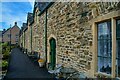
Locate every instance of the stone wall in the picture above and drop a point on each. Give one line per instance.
(73, 37)
(35, 32)
(26, 39)
(42, 35)
(33, 37)
(29, 39)
(23, 36)
(20, 41)
(70, 24)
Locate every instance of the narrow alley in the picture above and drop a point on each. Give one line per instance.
(21, 67)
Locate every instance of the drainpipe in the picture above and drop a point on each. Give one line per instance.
(46, 36)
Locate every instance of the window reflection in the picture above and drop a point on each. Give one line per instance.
(104, 47)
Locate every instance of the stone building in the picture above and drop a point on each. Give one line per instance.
(72, 40)
(84, 36)
(29, 34)
(36, 30)
(23, 36)
(11, 35)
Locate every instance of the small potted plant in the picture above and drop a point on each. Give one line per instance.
(41, 62)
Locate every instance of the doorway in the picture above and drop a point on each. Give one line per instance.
(52, 42)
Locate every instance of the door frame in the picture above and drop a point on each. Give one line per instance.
(48, 48)
(52, 52)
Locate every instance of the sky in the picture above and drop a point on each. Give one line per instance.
(11, 12)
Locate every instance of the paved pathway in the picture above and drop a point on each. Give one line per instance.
(20, 66)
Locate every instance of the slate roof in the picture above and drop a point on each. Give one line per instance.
(23, 28)
(42, 6)
(30, 18)
(5, 31)
(15, 25)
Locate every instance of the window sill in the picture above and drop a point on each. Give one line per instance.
(118, 78)
(103, 75)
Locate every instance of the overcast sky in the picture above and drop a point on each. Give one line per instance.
(11, 12)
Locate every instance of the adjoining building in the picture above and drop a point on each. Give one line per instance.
(23, 36)
(84, 36)
(11, 35)
(29, 34)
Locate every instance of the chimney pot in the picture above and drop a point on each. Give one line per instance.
(15, 23)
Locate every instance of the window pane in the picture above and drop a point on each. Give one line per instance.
(100, 50)
(118, 29)
(101, 64)
(104, 47)
(107, 48)
(118, 49)
(104, 65)
(107, 65)
(104, 30)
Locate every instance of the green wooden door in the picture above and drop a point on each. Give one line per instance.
(52, 53)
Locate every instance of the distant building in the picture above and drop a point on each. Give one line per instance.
(0, 36)
(11, 34)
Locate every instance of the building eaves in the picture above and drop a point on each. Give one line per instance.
(45, 7)
(24, 26)
(3, 32)
(29, 18)
(21, 31)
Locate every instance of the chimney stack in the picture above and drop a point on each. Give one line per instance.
(15, 23)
